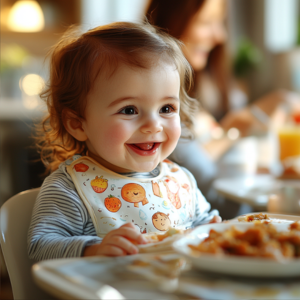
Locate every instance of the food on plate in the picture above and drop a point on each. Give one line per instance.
(157, 242)
(254, 217)
(295, 226)
(260, 240)
(154, 237)
(169, 233)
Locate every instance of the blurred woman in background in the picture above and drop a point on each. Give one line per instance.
(200, 25)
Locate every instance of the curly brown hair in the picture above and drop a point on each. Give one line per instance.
(75, 62)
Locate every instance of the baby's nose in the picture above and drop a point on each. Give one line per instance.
(151, 125)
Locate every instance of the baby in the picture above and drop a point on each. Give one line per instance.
(116, 97)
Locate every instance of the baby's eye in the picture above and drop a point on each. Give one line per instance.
(128, 110)
(167, 109)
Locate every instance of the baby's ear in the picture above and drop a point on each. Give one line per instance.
(73, 125)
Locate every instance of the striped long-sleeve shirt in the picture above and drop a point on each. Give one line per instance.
(61, 225)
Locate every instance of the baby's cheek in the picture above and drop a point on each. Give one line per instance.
(173, 133)
(116, 134)
(175, 129)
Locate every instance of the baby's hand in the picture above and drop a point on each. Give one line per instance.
(118, 242)
(216, 219)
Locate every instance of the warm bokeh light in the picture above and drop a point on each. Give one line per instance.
(3, 16)
(233, 134)
(32, 84)
(26, 16)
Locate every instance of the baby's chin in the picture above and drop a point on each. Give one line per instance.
(143, 168)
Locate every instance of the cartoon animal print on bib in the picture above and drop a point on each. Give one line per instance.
(112, 203)
(134, 193)
(99, 184)
(173, 187)
(161, 221)
(152, 205)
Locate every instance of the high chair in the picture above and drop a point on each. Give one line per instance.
(15, 215)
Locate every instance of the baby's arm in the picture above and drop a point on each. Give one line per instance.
(117, 242)
(60, 225)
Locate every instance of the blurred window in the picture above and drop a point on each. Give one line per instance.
(95, 12)
(281, 24)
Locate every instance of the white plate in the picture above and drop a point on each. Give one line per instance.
(252, 190)
(274, 218)
(234, 265)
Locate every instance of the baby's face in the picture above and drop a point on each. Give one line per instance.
(132, 118)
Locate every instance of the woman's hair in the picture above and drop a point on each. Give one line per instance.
(77, 59)
(173, 16)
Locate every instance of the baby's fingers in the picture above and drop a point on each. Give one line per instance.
(123, 243)
(216, 219)
(128, 225)
(130, 232)
(111, 250)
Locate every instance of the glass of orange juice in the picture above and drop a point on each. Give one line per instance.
(289, 142)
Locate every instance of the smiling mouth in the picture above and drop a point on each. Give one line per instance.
(144, 149)
(145, 146)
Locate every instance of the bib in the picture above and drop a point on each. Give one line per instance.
(151, 204)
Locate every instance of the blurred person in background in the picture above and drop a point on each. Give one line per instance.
(201, 26)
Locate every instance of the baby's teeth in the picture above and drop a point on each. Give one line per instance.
(145, 146)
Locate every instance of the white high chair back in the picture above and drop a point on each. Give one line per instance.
(15, 216)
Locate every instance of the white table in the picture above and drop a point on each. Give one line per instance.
(253, 190)
(92, 278)
(84, 278)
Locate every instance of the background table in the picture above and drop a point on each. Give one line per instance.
(241, 179)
